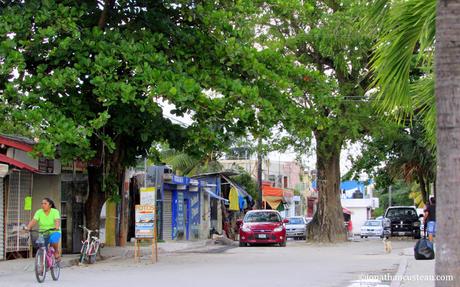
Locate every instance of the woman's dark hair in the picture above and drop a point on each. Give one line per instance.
(433, 200)
(50, 202)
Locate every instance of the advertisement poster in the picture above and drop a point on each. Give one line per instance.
(148, 195)
(145, 221)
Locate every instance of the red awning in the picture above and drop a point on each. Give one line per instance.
(16, 163)
(16, 144)
(346, 211)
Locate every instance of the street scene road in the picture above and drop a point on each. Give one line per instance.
(299, 264)
(205, 129)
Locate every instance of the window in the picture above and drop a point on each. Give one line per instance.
(296, 221)
(262, 217)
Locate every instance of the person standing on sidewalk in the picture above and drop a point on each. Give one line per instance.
(430, 218)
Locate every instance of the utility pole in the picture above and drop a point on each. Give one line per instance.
(259, 173)
(389, 192)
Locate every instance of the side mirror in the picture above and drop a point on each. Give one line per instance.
(285, 220)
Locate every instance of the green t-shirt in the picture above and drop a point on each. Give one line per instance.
(46, 222)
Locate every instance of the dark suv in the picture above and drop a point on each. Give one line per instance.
(404, 221)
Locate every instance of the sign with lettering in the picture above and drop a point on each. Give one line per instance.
(145, 221)
(148, 195)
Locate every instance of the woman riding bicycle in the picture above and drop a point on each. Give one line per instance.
(48, 217)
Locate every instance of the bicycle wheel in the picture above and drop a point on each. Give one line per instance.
(40, 265)
(83, 252)
(55, 269)
(92, 253)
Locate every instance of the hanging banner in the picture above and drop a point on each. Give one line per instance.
(148, 195)
(145, 221)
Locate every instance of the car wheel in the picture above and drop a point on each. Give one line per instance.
(242, 244)
(283, 244)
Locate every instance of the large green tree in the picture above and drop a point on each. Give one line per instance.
(90, 77)
(328, 57)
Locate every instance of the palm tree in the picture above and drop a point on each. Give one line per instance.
(410, 26)
(448, 137)
(402, 65)
(186, 164)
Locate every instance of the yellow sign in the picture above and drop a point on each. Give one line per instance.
(28, 203)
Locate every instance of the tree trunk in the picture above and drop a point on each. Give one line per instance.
(96, 197)
(327, 224)
(448, 140)
(424, 187)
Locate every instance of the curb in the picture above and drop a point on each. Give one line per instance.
(397, 280)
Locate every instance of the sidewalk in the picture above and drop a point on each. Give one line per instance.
(416, 271)
(113, 253)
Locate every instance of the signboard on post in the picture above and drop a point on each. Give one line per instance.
(148, 196)
(145, 221)
(3, 170)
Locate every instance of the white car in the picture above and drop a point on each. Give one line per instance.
(296, 227)
(373, 228)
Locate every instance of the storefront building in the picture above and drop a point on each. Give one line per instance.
(25, 183)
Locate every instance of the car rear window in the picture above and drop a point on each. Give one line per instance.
(295, 221)
(373, 223)
(401, 212)
(262, 217)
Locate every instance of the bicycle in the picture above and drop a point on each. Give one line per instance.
(90, 247)
(44, 258)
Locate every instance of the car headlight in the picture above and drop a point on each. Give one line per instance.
(278, 229)
(386, 222)
(416, 223)
(245, 228)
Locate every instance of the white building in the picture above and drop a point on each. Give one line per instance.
(361, 203)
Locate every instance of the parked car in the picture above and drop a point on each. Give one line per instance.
(374, 228)
(263, 227)
(404, 221)
(296, 227)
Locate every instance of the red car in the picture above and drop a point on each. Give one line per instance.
(262, 227)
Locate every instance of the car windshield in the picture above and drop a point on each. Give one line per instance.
(401, 212)
(262, 217)
(373, 223)
(296, 221)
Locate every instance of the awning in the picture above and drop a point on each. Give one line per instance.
(346, 211)
(242, 193)
(213, 195)
(275, 196)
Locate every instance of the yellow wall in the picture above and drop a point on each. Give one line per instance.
(110, 223)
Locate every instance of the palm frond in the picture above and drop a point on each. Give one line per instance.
(408, 26)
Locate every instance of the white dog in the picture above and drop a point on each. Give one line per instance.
(387, 245)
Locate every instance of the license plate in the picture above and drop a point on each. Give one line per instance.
(401, 233)
(262, 236)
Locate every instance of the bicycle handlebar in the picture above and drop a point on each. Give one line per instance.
(87, 229)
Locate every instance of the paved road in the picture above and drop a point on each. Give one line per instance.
(299, 264)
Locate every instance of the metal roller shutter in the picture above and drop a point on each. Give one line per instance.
(167, 216)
